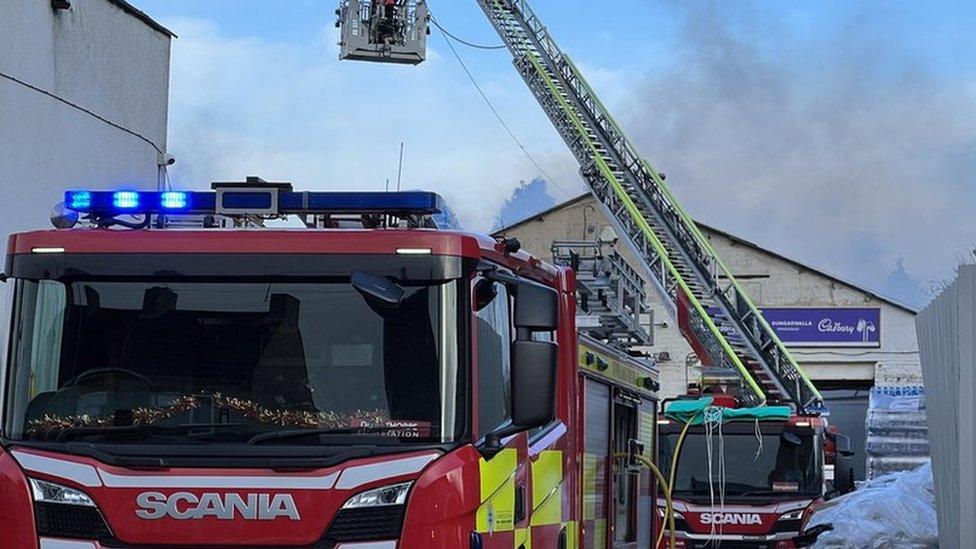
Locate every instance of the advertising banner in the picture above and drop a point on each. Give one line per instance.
(827, 327)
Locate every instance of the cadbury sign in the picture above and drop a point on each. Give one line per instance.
(824, 327)
(841, 327)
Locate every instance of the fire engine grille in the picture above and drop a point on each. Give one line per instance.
(70, 521)
(382, 523)
(731, 544)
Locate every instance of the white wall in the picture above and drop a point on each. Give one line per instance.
(947, 335)
(96, 56)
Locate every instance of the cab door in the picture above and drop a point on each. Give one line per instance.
(501, 517)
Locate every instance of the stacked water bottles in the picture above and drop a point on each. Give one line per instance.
(897, 430)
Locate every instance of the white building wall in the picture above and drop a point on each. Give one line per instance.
(100, 58)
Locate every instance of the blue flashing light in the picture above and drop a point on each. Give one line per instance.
(78, 200)
(125, 200)
(260, 201)
(174, 200)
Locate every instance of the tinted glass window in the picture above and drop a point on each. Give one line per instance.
(191, 362)
(494, 344)
(754, 466)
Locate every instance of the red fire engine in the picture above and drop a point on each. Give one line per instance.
(747, 477)
(181, 374)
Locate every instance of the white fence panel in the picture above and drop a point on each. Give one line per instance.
(947, 341)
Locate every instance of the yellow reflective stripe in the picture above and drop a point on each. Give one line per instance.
(648, 424)
(497, 510)
(600, 534)
(616, 369)
(589, 486)
(572, 534)
(523, 538)
(547, 480)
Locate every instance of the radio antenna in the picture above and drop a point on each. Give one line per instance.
(400, 167)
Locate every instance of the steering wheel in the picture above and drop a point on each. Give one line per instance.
(73, 382)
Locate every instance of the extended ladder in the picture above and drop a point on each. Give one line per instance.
(612, 303)
(714, 312)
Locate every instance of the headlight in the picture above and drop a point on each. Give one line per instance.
(794, 515)
(675, 514)
(48, 492)
(380, 497)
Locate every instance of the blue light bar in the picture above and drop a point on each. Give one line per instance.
(260, 201)
(79, 200)
(173, 200)
(125, 200)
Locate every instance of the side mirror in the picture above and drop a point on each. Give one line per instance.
(536, 307)
(843, 475)
(843, 445)
(843, 464)
(534, 365)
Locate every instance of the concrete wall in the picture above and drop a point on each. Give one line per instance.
(947, 337)
(772, 282)
(100, 58)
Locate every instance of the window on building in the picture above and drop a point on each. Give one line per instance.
(494, 343)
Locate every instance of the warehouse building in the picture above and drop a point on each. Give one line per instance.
(847, 338)
(84, 92)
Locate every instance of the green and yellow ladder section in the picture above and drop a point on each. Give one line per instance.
(722, 324)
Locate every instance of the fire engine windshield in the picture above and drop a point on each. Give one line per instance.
(232, 363)
(768, 465)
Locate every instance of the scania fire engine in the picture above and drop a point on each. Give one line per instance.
(747, 477)
(181, 373)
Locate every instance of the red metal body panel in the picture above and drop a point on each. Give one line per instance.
(443, 501)
(16, 511)
(90, 241)
(116, 498)
(750, 521)
(684, 325)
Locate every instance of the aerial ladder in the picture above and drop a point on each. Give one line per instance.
(713, 311)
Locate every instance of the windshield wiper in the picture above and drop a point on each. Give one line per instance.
(80, 433)
(763, 492)
(302, 433)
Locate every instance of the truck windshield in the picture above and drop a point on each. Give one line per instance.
(770, 465)
(232, 363)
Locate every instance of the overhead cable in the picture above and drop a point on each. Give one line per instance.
(465, 42)
(81, 109)
(498, 116)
